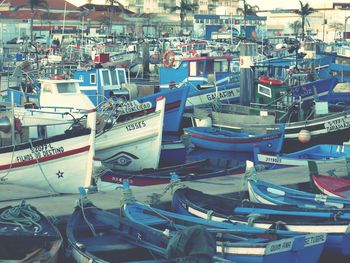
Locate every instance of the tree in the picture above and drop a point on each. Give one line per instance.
(247, 10)
(337, 27)
(111, 11)
(304, 12)
(295, 27)
(34, 6)
(184, 8)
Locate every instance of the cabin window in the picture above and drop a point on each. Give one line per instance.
(121, 76)
(66, 88)
(263, 90)
(105, 77)
(92, 78)
(210, 67)
(114, 77)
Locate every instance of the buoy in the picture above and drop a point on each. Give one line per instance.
(304, 136)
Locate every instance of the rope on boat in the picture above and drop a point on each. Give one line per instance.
(210, 214)
(127, 197)
(41, 169)
(23, 216)
(83, 200)
(175, 183)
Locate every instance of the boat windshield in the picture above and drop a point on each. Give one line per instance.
(66, 88)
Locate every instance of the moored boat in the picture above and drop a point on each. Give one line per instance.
(217, 139)
(192, 202)
(236, 242)
(27, 236)
(271, 194)
(321, 154)
(190, 171)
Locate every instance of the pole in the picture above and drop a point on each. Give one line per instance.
(324, 24)
(64, 17)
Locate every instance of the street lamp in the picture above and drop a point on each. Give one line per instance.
(346, 20)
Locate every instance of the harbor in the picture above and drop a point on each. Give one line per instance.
(174, 131)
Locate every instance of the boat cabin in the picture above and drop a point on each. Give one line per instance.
(55, 93)
(194, 48)
(100, 84)
(201, 72)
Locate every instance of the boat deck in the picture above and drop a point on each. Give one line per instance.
(62, 206)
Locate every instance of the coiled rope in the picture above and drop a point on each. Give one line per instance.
(23, 216)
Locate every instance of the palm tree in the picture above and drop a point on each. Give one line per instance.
(336, 27)
(34, 5)
(112, 11)
(295, 27)
(247, 10)
(303, 12)
(184, 8)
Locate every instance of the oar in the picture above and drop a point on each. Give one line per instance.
(314, 198)
(263, 211)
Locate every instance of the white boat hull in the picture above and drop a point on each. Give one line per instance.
(48, 165)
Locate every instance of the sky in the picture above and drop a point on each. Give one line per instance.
(263, 4)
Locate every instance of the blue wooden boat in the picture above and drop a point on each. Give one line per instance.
(96, 235)
(26, 235)
(268, 193)
(195, 170)
(208, 78)
(331, 222)
(225, 140)
(236, 242)
(322, 153)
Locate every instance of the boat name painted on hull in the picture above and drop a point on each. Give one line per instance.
(134, 106)
(273, 159)
(314, 239)
(40, 151)
(279, 246)
(135, 126)
(339, 124)
(221, 95)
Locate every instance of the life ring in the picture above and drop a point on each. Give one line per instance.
(168, 59)
(270, 81)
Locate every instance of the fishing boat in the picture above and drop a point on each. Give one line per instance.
(139, 139)
(331, 186)
(321, 154)
(108, 87)
(307, 123)
(208, 78)
(271, 194)
(195, 170)
(138, 145)
(45, 156)
(27, 236)
(334, 223)
(224, 140)
(96, 235)
(235, 242)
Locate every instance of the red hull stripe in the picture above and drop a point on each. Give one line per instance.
(227, 140)
(45, 159)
